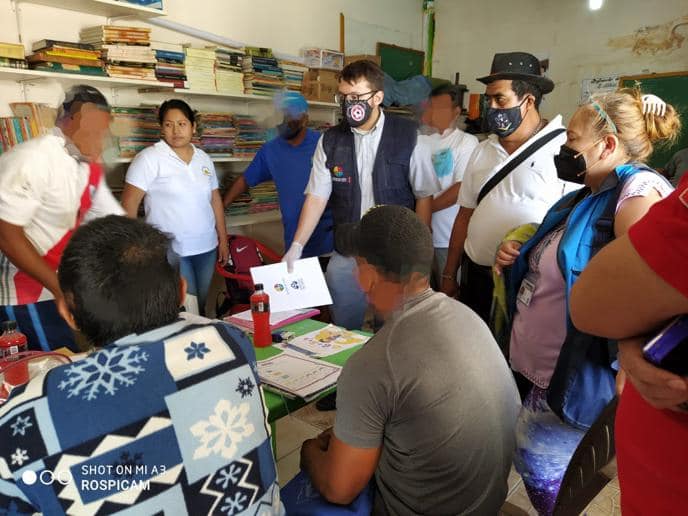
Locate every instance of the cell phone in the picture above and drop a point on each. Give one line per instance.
(669, 348)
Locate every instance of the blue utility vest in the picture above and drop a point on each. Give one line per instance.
(391, 168)
(583, 381)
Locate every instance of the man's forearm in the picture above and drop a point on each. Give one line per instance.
(457, 240)
(424, 209)
(238, 187)
(314, 462)
(313, 208)
(447, 198)
(22, 253)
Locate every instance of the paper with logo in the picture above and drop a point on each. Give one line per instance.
(324, 342)
(298, 375)
(305, 287)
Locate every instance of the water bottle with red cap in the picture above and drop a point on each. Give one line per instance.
(260, 313)
(13, 342)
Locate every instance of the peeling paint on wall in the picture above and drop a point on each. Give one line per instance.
(653, 40)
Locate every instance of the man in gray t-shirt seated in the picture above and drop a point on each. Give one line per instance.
(428, 405)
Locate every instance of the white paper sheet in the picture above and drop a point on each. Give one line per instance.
(324, 342)
(298, 375)
(303, 288)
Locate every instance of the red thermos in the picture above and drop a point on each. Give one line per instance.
(12, 341)
(260, 313)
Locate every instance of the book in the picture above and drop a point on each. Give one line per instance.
(48, 43)
(12, 50)
(8, 62)
(44, 57)
(68, 68)
(277, 319)
(324, 342)
(298, 376)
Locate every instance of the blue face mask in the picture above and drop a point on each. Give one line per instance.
(504, 122)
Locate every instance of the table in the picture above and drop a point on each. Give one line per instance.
(277, 405)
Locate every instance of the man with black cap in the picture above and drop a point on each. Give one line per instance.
(48, 186)
(428, 405)
(510, 179)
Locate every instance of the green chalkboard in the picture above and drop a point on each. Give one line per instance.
(673, 89)
(400, 62)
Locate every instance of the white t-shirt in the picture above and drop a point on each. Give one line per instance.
(421, 175)
(178, 196)
(451, 151)
(41, 185)
(522, 197)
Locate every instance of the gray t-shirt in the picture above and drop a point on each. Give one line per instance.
(434, 391)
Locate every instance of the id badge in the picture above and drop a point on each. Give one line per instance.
(525, 293)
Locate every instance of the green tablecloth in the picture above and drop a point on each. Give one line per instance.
(279, 406)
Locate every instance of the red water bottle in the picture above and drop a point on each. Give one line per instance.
(260, 313)
(12, 341)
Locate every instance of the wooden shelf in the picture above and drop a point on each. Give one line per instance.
(252, 218)
(233, 96)
(107, 8)
(19, 75)
(215, 160)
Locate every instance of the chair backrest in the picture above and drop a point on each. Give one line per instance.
(583, 479)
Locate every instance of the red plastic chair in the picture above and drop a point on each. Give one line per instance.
(244, 280)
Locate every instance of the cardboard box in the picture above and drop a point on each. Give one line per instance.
(361, 57)
(320, 75)
(321, 91)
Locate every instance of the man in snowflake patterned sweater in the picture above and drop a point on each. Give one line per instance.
(165, 418)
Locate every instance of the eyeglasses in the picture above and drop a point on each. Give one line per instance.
(353, 97)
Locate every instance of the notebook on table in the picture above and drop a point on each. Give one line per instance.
(277, 319)
(295, 375)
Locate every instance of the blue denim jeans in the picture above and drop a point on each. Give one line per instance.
(198, 271)
(349, 301)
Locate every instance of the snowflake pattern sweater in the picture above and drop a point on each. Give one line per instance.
(168, 422)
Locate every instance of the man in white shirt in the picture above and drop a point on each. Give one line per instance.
(514, 90)
(451, 149)
(48, 186)
(369, 159)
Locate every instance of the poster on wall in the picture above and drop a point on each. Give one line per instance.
(598, 85)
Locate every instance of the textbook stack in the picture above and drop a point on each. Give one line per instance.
(250, 136)
(216, 134)
(14, 130)
(135, 129)
(66, 57)
(199, 64)
(12, 56)
(170, 68)
(229, 76)
(293, 74)
(30, 120)
(258, 199)
(125, 50)
(262, 74)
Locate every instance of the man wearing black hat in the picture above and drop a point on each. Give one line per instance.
(48, 186)
(428, 405)
(510, 179)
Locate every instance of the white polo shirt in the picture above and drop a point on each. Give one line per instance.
(522, 197)
(421, 175)
(41, 184)
(451, 151)
(178, 196)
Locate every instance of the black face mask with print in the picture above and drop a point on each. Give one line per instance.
(570, 165)
(504, 122)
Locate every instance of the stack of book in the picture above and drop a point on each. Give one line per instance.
(125, 50)
(293, 74)
(170, 64)
(135, 129)
(229, 76)
(12, 56)
(217, 134)
(262, 74)
(199, 64)
(41, 116)
(14, 130)
(263, 198)
(66, 57)
(250, 136)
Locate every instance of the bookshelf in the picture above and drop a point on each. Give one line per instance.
(22, 75)
(107, 8)
(215, 160)
(235, 221)
(234, 96)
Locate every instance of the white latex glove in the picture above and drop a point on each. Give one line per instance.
(652, 104)
(294, 253)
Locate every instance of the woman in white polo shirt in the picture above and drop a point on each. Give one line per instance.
(179, 189)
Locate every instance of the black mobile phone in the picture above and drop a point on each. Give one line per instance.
(669, 349)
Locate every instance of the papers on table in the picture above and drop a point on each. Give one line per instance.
(324, 342)
(277, 319)
(305, 287)
(297, 375)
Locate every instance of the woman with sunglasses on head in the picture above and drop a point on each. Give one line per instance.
(566, 376)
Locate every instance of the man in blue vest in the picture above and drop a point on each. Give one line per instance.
(368, 159)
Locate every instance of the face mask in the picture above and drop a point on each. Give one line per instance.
(571, 165)
(288, 132)
(503, 122)
(356, 112)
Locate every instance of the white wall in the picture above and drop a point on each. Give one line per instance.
(284, 25)
(580, 43)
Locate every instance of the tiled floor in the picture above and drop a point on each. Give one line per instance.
(308, 422)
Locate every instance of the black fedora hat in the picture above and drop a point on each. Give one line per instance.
(519, 66)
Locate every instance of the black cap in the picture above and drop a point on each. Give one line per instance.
(392, 238)
(518, 66)
(259, 286)
(81, 94)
